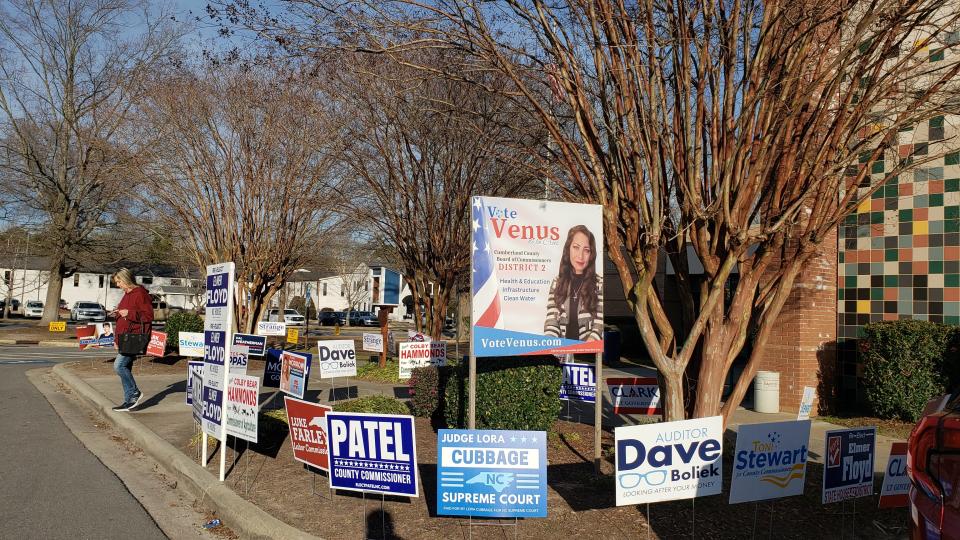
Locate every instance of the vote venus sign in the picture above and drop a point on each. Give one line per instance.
(491, 473)
(374, 453)
(668, 461)
(848, 464)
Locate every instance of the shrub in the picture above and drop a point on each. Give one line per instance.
(512, 393)
(426, 388)
(951, 359)
(373, 404)
(371, 371)
(182, 321)
(299, 303)
(903, 366)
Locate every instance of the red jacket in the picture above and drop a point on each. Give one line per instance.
(137, 302)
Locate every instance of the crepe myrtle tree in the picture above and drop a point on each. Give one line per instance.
(746, 130)
(244, 167)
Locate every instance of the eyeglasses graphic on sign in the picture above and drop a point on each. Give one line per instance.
(652, 478)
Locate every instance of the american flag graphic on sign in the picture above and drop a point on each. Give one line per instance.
(486, 293)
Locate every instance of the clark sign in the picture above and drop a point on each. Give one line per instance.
(374, 453)
(673, 460)
(770, 461)
(896, 483)
(635, 395)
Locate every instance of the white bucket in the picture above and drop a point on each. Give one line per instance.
(766, 392)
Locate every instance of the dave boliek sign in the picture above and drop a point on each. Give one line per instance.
(673, 460)
(635, 395)
(243, 405)
(308, 432)
(373, 453)
(848, 464)
(579, 383)
(770, 461)
(491, 473)
(336, 358)
(419, 354)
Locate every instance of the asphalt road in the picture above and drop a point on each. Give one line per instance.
(51, 486)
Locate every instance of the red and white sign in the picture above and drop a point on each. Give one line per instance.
(635, 395)
(158, 343)
(308, 432)
(420, 354)
(896, 483)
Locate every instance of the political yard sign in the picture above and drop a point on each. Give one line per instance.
(375, 453)
(243, 406)
(532, 260)
(239, 358)
(308, 432)
(190, 343)
(194, 367)
(770, 461)
(420, 354)
(158, 343)
(217, 326)
(635, 395)
(271, 328)
(257, 345)
(492, 473)
(372, 342)
(336, 358)
(896, 483)
(672, 460)
(293, 374)
(271, 368)
(848, 464)
(579, 383)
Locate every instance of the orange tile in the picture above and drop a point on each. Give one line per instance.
(921, 240)
(890, 293)
(951, 253)
(906, 255)
(919, 267)
(905, 150)
(905, 189)
(876, 205)
(889, 316)
(920, 214)
(876, 255)
(951, 294)
(936, 186)
(851, 256)
(876, 229)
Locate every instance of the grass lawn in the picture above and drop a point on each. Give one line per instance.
(897, 429)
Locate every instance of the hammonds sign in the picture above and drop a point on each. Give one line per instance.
(674, 460)
(770, 461)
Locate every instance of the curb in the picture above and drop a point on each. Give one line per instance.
(65, 344)
(241, 515)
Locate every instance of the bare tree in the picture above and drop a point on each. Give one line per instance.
(244, 166)
(69, 72)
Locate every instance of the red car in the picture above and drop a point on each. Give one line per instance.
(933, 465)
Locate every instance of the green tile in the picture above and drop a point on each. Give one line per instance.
(935, 200)
(876, 218)
(877, 167)
(850, 282)
(864, 157)
(905, 128)
(951, 280)
(951, 212)
(840, 257)
(879, 193)
(935, 267)
(951, 184)
(936, 122)
(951, 225)
(840, 292)
(890, 255)
(889, 281)
(953, 158)
(951, 319)
(876, 293)
(906, 215)
(891, 192)
(936, 56)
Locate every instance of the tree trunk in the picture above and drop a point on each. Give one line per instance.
(51, 307)
(672, 396)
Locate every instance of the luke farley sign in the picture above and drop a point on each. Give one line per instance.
(848, 464)
(674, 460)
(491, 473)
(770, 461)
(373, 452)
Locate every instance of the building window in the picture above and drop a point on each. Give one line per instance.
(100, 281)
(146, 280)
(76, 280)
(343, 290)
(6, 277)
(324, 289)
(376, 271)
(176, 282)
(113, 283)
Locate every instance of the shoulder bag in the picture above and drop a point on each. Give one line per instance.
(130, 344)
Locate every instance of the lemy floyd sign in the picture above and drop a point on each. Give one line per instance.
(673, 460)
(373, 453)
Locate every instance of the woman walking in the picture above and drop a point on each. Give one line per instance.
(133, 315)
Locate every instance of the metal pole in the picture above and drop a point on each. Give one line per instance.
(203, 435)
(598, 415)
(472, 374)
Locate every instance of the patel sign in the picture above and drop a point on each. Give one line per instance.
(770, 461)
(190, 343)
(308, 432)
(336, 358)
(420, 354)
(673, 460)
(243, 405)
(848, 464)
(635, 395)
(373, 452)
(490, 473)
(579, 383)
(257, 345)
(896, 483)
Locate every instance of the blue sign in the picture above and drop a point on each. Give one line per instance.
(193, 367)
(848, 463)
(391, 287)
(492, 473)
(372, 452)
(579, 383)
(218, 290)
(256, 344)
(271, 370)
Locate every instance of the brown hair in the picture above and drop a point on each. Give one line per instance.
(588, 300)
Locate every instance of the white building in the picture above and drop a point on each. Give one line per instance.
(366, 288)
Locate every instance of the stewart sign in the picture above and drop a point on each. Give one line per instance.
(770, 461)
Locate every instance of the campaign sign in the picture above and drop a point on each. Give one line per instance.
(770, 461)
(193, 367)
(579, 383)
(239, 358)
(372, 342)
(293, 374)
(270, 328)
(668, 461)
(337, 358)
(896, 483)
(491, 473)
(190, 343)
(256, 345)
(271, 369)
(243, 406)
(308, 432)
(196, 390)
(95, 335)
(528, 259)
(419, 354)
(635, 395)
(848, 463)
(158, 343)
(214, 373)
(418, 337)
(373, 452)
(806, 403)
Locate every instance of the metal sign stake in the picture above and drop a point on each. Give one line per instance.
(598, 415)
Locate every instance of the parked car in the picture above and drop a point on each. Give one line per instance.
(14, 305)
(33, 309)
(332, 318)
(363, 318)
(933, 465)
(88, 311)
(290, 316)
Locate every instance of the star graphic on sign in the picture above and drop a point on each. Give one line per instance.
(486, 247)
(475, 248)
(513, 439)
(476, 224)
(534, 439)
(476, 203)
(524, 439)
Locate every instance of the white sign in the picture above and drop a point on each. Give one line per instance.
(806, 403)
(337, 358)
(668, 461)
(770, 461)
(896, 483)
(196, 391)
(191, 343)
(217, 340)
(419, 354)
(413, 335)
(243, 404)
(239, 357)
(271, 328)
(372, 342)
